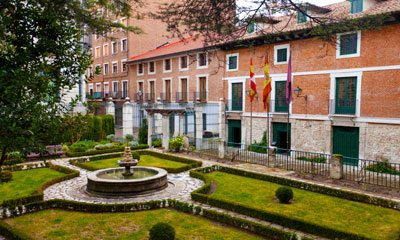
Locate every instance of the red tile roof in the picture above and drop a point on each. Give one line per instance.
(185, 45)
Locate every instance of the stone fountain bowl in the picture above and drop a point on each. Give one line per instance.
(132, 163)
(115, 187)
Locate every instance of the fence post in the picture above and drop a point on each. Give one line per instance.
(198, 108)
(110, 107)
(165, 130)
(221, 148)
(272, 156)
(336, 166)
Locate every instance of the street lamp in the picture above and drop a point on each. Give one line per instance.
(298, 92)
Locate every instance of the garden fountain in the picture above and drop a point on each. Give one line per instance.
(127, 179)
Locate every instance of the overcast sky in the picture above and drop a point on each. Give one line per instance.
(323, 2)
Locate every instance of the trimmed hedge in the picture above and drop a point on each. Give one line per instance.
(80, 161)
(283, 220)
(38, 194)
(121, 149)
(190, 162)
(264, 230)
(10, 233)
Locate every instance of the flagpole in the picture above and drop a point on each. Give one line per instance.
(251, 124)
(268, 142)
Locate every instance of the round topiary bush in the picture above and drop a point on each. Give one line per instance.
(162, 231)
(5, 176)
(284, 194)
(136, 155)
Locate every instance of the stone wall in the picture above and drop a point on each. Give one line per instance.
(259, 126)
(383, 140)
(311, 136)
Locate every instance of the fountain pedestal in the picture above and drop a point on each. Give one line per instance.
(127, 162)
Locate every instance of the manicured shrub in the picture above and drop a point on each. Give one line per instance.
(143, 132)
(5, 176)
(111, 137)
(157, 143)
(162, 231)
(109, 145)
(261, 147)
(97, 128)
(100, 147)
(176, 143)
(136, 155)
(108, 125)
(383, 167)
(284, 194)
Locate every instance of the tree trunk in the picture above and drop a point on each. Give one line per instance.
(3, 155)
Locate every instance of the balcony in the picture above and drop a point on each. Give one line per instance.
(94, 95)
(343, 107)
(200, 96)
(118, 94)
(234, 105)
(138, 99)
(150, 97)
(165, 97)
(181, 97)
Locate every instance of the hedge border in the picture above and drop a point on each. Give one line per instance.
(121, 149)
(286, 221)
(260, 229)
(190, 162)
(38, 194)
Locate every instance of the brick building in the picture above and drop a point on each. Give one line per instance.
(350, 99)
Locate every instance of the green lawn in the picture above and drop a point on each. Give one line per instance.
(58, 224)
(369, 220)
(25, 182)
(145, 160)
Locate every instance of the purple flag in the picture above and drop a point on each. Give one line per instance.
(289, 82)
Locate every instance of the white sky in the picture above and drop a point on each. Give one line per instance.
(323, 2)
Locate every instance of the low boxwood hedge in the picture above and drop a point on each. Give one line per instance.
(190, 162)
(38, 194)
(264, 230)
(121, 149)
(287, 221)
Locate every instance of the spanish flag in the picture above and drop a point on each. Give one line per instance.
(253, 88)
(267, 84)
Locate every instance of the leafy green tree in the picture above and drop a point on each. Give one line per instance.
(41, 53)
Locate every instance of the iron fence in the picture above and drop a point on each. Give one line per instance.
(200, 96)
(205, 146)
(247, 153)
(373, 172)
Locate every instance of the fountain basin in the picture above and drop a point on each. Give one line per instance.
(111, 181)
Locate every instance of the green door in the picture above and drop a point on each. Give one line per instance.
(234, 133)
(171, 125)
(346, 143)
(280, 135)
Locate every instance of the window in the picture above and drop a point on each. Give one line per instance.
(356, 6)
(348, 45)
(183, 63)
(90, 72)
(345, 102)
(152, 91)
(251, 27)
(232, 62)
(152, 67)
(106, 90)
(167, 65)
(202, 60)
(140, 88)
(114, 67)
(115, 88)
(114, 47)
(124, 89)
(97, 69)
(204, 121)
(105, 50)
(97, 52)
(167, 94)
(237, 96)
(301, 17)
(98, 89)
(91, 89)
(203, 89)
(140, 69)
(183, 95)
(124, 22)
(124, 67)
(281, 54)
(124, 45)
(280, 97)
(105, 68)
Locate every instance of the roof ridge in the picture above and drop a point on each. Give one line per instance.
(157, 49)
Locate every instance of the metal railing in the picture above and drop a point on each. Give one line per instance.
(200, 96)
(137, 98)
(234, 105)
(247, 153)
(95, 95)
(148, 97)
(373, 172)
(181, 97)
(205, 146)
(166, 97)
